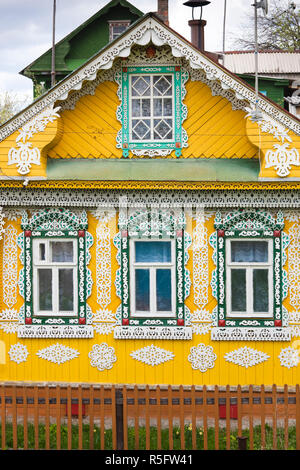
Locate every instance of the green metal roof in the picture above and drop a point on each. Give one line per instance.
(197, 169)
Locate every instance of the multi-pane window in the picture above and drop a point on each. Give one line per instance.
(152, 278)
(152, 107)
(55, 277)
(249, 274)
(116, 28)
(152, 111)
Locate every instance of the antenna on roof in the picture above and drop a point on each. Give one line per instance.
(256, 115)
(53, 45)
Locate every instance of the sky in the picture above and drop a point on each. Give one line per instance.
(26, 29)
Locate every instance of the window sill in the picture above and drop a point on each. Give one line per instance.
(250, 334)
(57, 331)
(153, 332)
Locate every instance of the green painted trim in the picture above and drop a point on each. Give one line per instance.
(161, 169)
(176, 143)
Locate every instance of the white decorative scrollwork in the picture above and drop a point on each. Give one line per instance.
(18, 353)
(294, 265)
(202, 357)
(102, 356)
(24, 155)
(58, 353)
(103, 256)
(282, 158)
(246, 357)
(152, 355)
(289, 357)
(104, 321)
(10, 266)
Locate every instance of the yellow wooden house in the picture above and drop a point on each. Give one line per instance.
(150, 224)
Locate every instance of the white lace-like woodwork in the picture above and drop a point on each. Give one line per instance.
(202, 357)
(102, 356)
(152, 355)
(246, 357)
(58, 353)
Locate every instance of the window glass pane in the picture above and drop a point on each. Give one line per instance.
(153, 252)
(163, 129)
(45, 289)
(260, 290)
(117, 30)
(162, 85)
(136, 108)
(168, 107)
(249, 251)
(142, 290)
(140, 86)
(141, 129)
(66, 292)
(62, 252)
(146, 108)
(238, 290)
(163, 290)
(157, 102)
(42, 252)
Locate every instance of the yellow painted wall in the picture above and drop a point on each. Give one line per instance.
(128, 370)
(214, 129)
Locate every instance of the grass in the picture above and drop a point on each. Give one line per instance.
(142, 438)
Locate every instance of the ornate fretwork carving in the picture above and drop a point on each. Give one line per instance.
(24, 155)
(18, 353)
(10, 266)
(58, 353)
(102, 356)
(152, 355)
(241, 196)
(254, 224)
(289, 357)
(51, 223)
(202, 357)
(246, 357)
(145, 32)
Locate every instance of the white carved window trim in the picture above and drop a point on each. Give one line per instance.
(151, 97)
(54, 266)
(153, 313)
(249, 267)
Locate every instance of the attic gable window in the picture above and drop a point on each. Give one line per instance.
(152, 111)
(116, 28)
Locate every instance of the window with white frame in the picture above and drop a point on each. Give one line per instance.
(116, 28)
(151, 108)
(55, 281)
(249, 272)
(152, 278)
(152, 111)
(249, 282)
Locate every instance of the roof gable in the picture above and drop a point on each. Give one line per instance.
(276, 123)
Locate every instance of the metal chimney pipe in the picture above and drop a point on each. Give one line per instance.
(163, 10)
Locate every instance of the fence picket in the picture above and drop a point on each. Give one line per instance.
(165, 407)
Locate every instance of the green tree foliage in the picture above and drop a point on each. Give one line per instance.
(10, 104)
(278, 30)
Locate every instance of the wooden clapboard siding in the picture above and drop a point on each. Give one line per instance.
(129, 370)
(214, 129)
